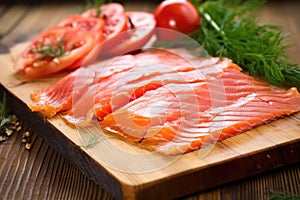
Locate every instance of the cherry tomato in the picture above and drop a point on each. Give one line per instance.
(91, 24)
(76, 45)
(140, 29)
(115, 20)
(178, 15)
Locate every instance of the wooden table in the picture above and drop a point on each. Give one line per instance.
(42, 173)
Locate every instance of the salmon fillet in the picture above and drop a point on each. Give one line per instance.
(179, 118)
(64, 94)
(166, 100)
(61, 96)
(106, 96)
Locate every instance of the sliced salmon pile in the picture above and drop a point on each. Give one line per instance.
(100, 81)
(164, 101)
(60, 96)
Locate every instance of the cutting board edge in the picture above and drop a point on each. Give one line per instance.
(62, 144)
(269, 159)
(284, 154)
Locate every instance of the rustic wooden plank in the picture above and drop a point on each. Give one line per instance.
(51, 177)
(285, 15)
(105, 161)
(59, 142)
(10, 17)
(60, 193)
(41, 173)
(261, 187)
(41, 17)
(3, 7)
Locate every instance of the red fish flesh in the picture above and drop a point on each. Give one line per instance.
(179, 118)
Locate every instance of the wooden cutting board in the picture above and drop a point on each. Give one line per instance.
(128, 172)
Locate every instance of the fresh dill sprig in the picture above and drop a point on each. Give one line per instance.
(230, 29)
(283, 196)
(50, 50)
(96, 4)
(5, 117)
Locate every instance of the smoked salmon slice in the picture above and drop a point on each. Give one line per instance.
(179, 118)
(111, 94)
(60, 96)
(94, 85)
(168, 101)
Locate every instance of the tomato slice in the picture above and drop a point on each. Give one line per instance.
(91, 24)
(140, 28)
(115, 20)
(76, 45)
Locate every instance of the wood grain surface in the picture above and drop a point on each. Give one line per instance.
(44, 174)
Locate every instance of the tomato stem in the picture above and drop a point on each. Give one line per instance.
(132, 26)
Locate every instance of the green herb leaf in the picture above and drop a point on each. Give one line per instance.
(50, 50)
(5, 117)
(230, 29)
(97, 5)
(283, 196)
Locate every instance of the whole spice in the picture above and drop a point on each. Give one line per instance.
(9, 124)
